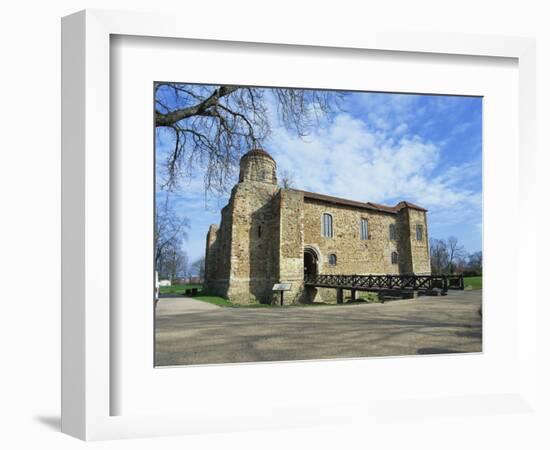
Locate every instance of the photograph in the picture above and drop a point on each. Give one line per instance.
(296, 224)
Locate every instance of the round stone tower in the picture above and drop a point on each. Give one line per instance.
(258, 165)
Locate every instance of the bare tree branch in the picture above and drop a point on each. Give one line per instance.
(210, 127)
(172, 117)
(170, 231)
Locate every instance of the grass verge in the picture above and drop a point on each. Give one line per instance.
(220, 301)
(179, 289)
(474, 282)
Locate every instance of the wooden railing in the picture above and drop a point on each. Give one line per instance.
(387, 282)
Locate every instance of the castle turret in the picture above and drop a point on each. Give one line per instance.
(258, 165)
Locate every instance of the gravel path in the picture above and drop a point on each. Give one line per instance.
(193, 332)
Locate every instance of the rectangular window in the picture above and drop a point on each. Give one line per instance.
(419, 232)
(327, 225)
(393, 233)
(364, 229)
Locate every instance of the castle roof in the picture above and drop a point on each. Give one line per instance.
(402, 205)
(363, 205)
(257, 152)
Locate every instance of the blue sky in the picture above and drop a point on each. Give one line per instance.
(382, 148)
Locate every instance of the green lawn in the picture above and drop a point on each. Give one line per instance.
(220, 301)
(475, 282)
(178, 289)
(369, 297)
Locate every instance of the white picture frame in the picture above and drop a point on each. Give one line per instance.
(87, 354)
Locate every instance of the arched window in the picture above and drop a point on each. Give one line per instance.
(332, 259)
(327, 225)
(364, 229)
(419, 232)
(393, 232)
(394, 257)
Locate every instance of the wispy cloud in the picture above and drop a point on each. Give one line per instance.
(353, 159)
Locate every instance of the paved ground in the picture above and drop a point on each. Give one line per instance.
(193, 332)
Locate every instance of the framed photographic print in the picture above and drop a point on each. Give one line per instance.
(322, 213)
(240, 231)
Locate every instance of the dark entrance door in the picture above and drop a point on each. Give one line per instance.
(310, 264)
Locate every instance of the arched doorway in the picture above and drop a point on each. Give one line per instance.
(311, 262)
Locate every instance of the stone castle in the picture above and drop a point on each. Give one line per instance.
(270, 234)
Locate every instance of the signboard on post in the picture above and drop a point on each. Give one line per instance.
(282, 287)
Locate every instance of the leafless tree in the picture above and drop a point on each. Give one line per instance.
(448, 256)
(475, 262)
(183, 271)
(170, 232)
(198, 267)
(456, 252)
(439, 256)
(460, 265)
(212, 126)
(286, 179)
(173, 263)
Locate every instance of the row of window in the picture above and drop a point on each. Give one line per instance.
(332, 259)
(328, 232)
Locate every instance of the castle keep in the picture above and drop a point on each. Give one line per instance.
(269, 234)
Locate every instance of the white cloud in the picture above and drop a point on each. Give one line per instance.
(388, 111)
(352, 160)
(401, 128)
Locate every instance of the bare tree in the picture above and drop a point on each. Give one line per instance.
(460, 264)
(170, 232)
(198, 268)
(439, 256)
(475, 262)
(183, 271)
(173, 263)
(212, 126)
(448, 256)
(455, 251)
(286, 179)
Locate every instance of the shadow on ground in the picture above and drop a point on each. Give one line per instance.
(412, 327)
(52, 422)
(434, 351)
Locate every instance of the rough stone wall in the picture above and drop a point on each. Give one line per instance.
(404, 242)
(218, 254)
(354, 256)
(276, 233)
(420, 252)
(258, 168)
(291, 250)
(211, 254)
(259, 243)
(253, 252)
